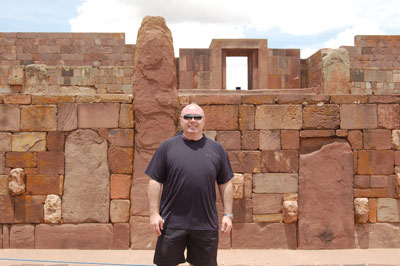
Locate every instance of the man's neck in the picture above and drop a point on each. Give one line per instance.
(192, 136)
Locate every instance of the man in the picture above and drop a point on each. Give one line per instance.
(185, 168)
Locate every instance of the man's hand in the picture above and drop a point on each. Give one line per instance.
(156, 223)
(226, 225)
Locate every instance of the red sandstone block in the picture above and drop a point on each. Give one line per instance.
(258, 99)
(29, 209)
(280, 161)
(355, 137)
(21, 159)
(121, 236)
(278, 117)
(120, 160)
(7, 209)
(378, 139)
(361, 181)
(120, 186)
(50, 162)
(397, 157)
(384, 99)
(38, 118)
(215, 99)
(389, 116)
(229, 139)
(301, 99)
(9, 117)
(246, 117)
(321, 117)
(245, 161)
(44, 184)
(379, 181)
(372, 203)
(221, 117)
(375, 162)
(290, 139)
(267, 203)
(372, 193)
(250, 139)
(274, 81)
(17, 99)
(55, 141)
(354, 116)
(98, 115)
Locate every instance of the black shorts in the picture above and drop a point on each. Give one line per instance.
(202, 246)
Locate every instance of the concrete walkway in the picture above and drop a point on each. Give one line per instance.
(237, 257)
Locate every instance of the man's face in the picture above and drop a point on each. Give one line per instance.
(192, 120)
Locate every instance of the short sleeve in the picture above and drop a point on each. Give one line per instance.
(225, 172)
(157, 169)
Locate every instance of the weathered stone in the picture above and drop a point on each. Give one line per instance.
(356, 116)
(275, 183)
(7, 209)
(142, 236)
(52, 98)
(17, 99)
(248, 185)
(258, 99)
(85, 165)
(361, 210)
(238, 186)
(29, 141)
(2, 163)
(321, 117)
(6, 236)
(29, 209)
(120, 160)
(139, 201)
(270, 140)
(379, 181)
(326, 212)
(211, 134)
(5, 141)
(264, 236)
(268, 218)
(267, 203)
(379, 235)
(21, 159)
(246, 117)
(52, 209)
(119, 137)
(278, 117)
(22, 236)
(290, 211)
(44, 184)
(121, 236)
(55, 141)
(388, 210)
(373, 209)
(229, 139)
(397, 158)
(9, 117)
(119, 211)
(36, 78)
(126, 119)
(4, 185)
(250, 139)
(372, 193)
(315, 133)
(245, 161)
(341, 132)
(242, 210)
(361, 181)
(39, 118)
(98, 115)
(67, 116)
(396, 139)
(378, 139)
(375, 162)
(50, 162)
(388, 116)
(120, 186)
(281, 161)
(335, 71)
(16, 181)
(74, 236)
(290, 139)
(221, 117)
(355, 137)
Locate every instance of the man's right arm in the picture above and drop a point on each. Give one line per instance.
(153, 193)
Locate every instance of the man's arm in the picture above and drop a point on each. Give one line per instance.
(226, 192)
(153, 193)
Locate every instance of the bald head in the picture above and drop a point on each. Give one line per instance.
(193, 123)
(192, 108)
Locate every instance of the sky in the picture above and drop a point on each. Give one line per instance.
(308, 25)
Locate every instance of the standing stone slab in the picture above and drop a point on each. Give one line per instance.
(71, 236)
(86, 186)
(326, 212)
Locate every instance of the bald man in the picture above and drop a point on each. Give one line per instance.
(184, 171)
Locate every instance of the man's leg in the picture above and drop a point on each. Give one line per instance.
(170, 247)
(202, 247)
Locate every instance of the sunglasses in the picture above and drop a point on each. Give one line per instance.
(190, 117)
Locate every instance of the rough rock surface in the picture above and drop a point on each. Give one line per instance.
(326, 212)
(361, 209)
(290, 211)
(52, 209)
(22, 236)
(87, 178)
(378, 235)
(335, 71)
(36, 78)
(155, 75)
(17, 181)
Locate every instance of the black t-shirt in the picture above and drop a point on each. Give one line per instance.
(188, 171)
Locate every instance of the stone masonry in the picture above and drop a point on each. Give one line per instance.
(315, 143)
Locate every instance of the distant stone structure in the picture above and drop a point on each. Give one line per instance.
(314, 143)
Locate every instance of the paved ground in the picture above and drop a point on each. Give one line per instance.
(350, 257)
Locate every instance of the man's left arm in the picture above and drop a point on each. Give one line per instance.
(226, 193)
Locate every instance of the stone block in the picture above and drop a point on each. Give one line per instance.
(396, 139)
(7, 209)
(278, 117)
(361, 210)
(379, 181)
(52, 209)
(39, 118)
(55, 141)
(375, 162)
(142, 236)
(268, 218)
(238, 186)
(229, 139)
(270, 140)
(17, 99)
(126, 119)
(2, 163)
(120, 186)
(397, 184)
(355, 116)
(290, 139)
(119, 211)
(258, 99)
(5, 141)
(16, 181)
(121, 137)
(248, 185)
(275, 183)
(280, 161)
(245, 161)
(290, 211)
(22, 236)
(361, 181)
(35, 141)
(121, 236)
(250, 139)
(98, 115)
(29, 209)
(4, 185)
(120, 160)
(44, 184)
(388, 210)
(380, 235)
(221, 117)
(211, 134)
(315, 133)
(246, 117)
(67, 117)
(21, 159)
(9, 117)
(264, 236)
(74, 236)
(321, 116)
(388, 116)
(372, 193)
(397, 158)
(267, 203)
(242, 210)
(372, 205)
(50, 162)
(378, 139)
(355, 137)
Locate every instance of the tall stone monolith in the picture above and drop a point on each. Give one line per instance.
(155, 108)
